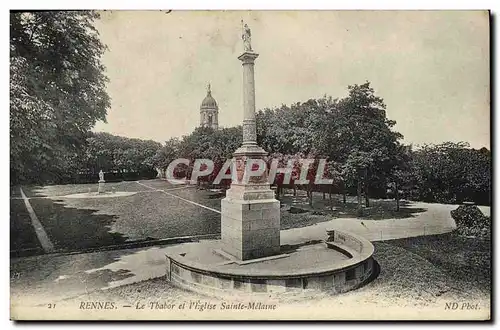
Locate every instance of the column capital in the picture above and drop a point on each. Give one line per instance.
(248, 57)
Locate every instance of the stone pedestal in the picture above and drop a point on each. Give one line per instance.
(250, 222)
(250, 214)
(102, 188)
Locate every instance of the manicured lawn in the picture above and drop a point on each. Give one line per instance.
(75, 224)
(465, 261)
(23, 239)
(204, 197)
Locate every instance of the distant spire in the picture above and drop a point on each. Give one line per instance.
(208, 89)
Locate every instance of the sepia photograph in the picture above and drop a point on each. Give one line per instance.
(320, 165)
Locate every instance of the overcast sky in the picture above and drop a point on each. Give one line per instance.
(431, 68)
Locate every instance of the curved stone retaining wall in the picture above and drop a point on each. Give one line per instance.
(341, 277)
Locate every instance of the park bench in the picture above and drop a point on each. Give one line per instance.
(340, 247)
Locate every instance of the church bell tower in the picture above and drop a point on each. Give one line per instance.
(209, 111)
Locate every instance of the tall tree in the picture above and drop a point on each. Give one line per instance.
(369, 147)
(403, 175)
(289, 130)
(166, 154)
(57, 91)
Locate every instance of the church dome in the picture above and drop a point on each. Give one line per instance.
(208, 102)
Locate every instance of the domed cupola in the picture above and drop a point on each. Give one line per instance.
(209, 102)
(209, 111)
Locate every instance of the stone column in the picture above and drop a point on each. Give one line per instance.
(249, 126)
(250, 214)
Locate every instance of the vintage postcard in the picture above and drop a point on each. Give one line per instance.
(250, 165)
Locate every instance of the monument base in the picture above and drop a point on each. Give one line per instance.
(250, 222)
(314, 267)
(102, 188)
(251, 150)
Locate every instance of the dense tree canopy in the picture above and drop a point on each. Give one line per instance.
(217, 145)
(120, 154)
(452, 173)
(202, 143)
(57, 91)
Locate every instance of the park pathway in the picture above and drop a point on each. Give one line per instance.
(435, 220)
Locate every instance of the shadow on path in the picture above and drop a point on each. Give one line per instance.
(73, 229)
(57, 277)
(289, 248)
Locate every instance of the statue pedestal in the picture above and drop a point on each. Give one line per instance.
(101, 189)
(250, 228)
(250, 214)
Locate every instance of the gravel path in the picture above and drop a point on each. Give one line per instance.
(436, 219)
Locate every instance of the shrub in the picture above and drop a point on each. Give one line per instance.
(471, 221)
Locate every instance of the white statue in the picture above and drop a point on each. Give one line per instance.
(101, 175)
(247, 38)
